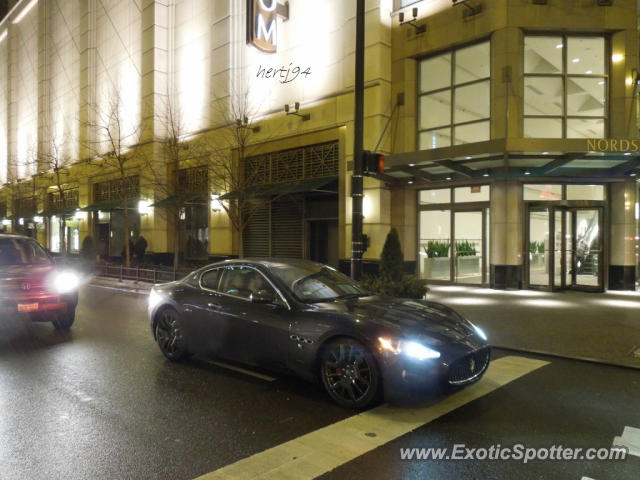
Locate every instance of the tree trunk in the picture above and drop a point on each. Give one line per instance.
(63, 236)
(240, 243)
(176, 241)
(127, 250)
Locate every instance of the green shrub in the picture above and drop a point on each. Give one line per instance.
(465, 249)
(391, 279)
(392, 259)
(536, 247)
(436, 249)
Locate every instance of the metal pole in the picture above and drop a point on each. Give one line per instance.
(358, 134)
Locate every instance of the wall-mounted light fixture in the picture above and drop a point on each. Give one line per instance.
(144, 207)
(412, 22)
(38, 219)
(6, 222)
(21, 221)
(471, 10)
(296, 107)
(244, 123)
(216, 203)
(80, 215)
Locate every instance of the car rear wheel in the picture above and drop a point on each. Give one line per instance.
(169, 336)
(350, 374)
(63, 321)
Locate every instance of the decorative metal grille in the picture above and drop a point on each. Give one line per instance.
(194, 180)
(314, 161)
(118, 189)
(54, 200)
(26, 206)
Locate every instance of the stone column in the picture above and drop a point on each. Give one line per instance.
(622, 253)
(157, 19)
(505, 235)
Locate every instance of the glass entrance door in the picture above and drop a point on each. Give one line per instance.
(565, 248)
(577, 247)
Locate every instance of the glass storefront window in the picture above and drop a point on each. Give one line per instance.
(54, 234)
(542, 192)
(441, 195)
(475, 193)
(435, 244)
(565, 87)
(455, 97)
(585, 192)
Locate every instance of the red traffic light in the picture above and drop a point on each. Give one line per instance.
(372, 163)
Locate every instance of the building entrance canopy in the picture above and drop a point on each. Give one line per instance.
(518, 158)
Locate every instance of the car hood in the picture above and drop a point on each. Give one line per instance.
(25, 271)
(12, 275)
(405, 317)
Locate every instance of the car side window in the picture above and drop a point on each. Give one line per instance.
(211, 279)
(243, 281)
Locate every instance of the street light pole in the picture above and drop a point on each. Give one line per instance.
(358, 134)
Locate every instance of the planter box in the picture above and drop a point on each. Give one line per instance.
(469, 265)
(437, 268)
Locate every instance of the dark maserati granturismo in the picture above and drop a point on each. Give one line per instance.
(308, 319)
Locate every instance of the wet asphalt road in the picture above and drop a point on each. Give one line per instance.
(101, 402)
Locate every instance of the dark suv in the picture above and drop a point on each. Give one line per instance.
(32, 285)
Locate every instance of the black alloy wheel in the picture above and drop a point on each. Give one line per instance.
(169, 336)
(350, 374)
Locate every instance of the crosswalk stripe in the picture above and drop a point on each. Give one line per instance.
(323, 450)
(630, 439)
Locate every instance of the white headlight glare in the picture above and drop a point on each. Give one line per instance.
(66, 282)
(480, 332)
(410, 349)
(420, 352)
(154, 298)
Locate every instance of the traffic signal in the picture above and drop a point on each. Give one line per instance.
(372, 163)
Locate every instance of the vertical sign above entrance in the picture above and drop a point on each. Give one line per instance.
(262, 26)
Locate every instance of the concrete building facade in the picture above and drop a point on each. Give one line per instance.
(509, 127)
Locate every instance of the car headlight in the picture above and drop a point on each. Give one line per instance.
(479, 332)
(66, 282)
(411, 349)
(154, 299)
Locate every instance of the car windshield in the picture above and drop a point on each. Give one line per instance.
(318, 283)
(15, 251)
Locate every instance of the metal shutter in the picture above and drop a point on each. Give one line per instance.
(256, 233)
(286, 228)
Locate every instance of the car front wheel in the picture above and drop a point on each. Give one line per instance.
(63, 321)
(169, 335)
(350, 374)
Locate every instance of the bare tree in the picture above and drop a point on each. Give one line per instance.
(227, 153)
(165, 177)
(111, 149)
(56, 163)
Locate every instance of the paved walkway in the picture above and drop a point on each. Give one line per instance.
(604, 327)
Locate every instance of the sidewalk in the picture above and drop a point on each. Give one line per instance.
(603, 327)
(130, 286)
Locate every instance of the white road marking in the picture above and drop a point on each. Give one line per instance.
(246, 372)
(316, 453)
(630, 439)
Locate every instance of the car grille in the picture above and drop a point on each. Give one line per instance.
(16, 289)
(469, 368)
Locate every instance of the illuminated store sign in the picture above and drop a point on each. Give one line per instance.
(262, 27)
(612, 145)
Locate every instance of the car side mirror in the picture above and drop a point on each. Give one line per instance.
(263, 296)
